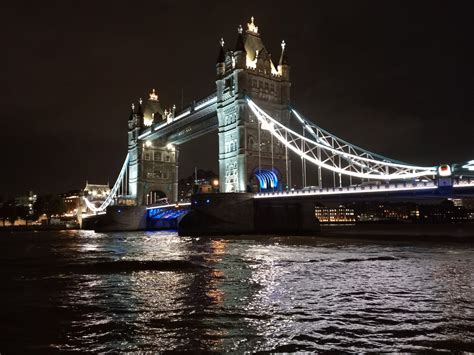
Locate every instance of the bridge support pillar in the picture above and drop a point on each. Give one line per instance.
(157, 173)
(240, 213)
(244, 146)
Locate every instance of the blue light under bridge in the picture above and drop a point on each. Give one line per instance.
(267, 179)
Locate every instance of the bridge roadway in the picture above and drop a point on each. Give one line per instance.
(289, 212)
(192, 122)
(412, 190)
(428, 190)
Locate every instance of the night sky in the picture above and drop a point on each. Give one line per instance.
(395, 77)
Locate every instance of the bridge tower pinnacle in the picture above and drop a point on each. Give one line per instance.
(249, 159)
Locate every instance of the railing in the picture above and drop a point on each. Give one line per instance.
(469, 182)
(351, 190)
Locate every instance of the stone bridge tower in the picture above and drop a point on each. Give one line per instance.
(153, 164)
(249, 159)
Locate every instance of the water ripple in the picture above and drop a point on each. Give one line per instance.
(119, 292)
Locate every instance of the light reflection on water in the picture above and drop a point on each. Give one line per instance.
(155, 291)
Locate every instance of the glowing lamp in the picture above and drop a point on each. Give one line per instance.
(444, 170)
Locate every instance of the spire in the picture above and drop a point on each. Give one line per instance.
(239, 46)
(283, 57)
(221, 56)
(132, 112)
(139, 109)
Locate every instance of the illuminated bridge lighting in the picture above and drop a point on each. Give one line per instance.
(350, 190)
(204, 104)
(316, 146)
(401, 187)
(469, 166)
(169, 205)
(334, 154)
(267, 179)
(166, 213)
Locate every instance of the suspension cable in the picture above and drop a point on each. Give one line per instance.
(358, 163)
(112, 192)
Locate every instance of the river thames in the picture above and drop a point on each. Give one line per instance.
(83, 291)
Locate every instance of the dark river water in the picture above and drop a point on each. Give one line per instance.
(82, 291)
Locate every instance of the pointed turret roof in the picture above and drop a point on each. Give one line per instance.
(252, 41)
(263, 54)
(240, 46)
(139, 108)
(221, 56)
(132, 112)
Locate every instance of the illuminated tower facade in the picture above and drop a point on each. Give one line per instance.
(153, 164)
(134, 127)
(249, 158)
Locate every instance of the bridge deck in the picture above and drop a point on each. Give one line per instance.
(458, 187)
(194, 121)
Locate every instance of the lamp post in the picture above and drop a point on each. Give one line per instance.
(215, 185)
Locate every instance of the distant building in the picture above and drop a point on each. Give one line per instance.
(27, 201)
(457, 202)
(72, 200)
(451, 210)
(339, 214)
(206, 182)
(96, 193)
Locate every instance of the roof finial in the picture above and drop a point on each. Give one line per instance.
(251, 26)
(283, 56)
(222, 42)
(153, 95)
(239, 29)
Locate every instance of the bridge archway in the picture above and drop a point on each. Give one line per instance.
(156, 197)
(265, 179)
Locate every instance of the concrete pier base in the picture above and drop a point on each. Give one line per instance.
(240, 213)
(122, 218)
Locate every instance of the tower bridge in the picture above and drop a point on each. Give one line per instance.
(250, 111)
(248, 155)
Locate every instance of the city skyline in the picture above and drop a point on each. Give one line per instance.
(399, 76)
